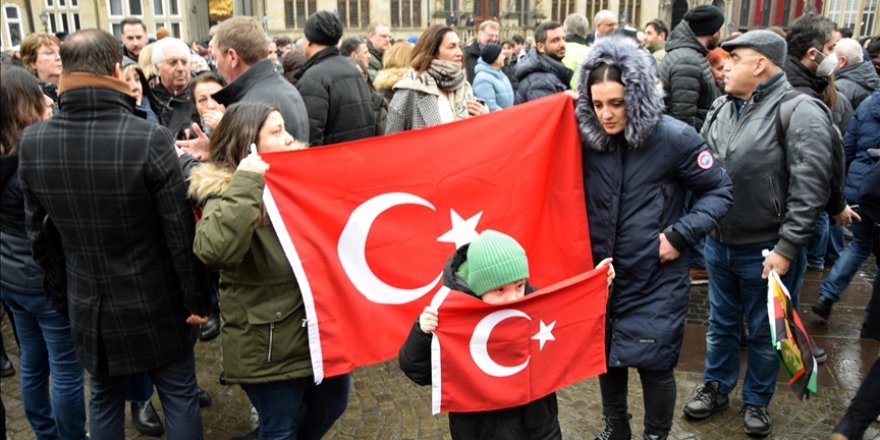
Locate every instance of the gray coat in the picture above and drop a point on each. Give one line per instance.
(779, 189)
(416, 103)
(857, 82)
(687, 78)
(261, 83)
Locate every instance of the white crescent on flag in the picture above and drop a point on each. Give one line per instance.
(480, 339)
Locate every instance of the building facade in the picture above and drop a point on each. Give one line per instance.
(190, 19)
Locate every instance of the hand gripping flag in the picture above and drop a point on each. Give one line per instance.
(486, 357)
(790, 339)
(367, 226)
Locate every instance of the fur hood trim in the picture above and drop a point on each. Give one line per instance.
(644, 101)
(387, 78)
(207, 180)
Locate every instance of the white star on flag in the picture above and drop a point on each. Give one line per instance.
(545, 334)
(463, 231)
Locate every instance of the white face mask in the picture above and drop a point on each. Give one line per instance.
(828, 64)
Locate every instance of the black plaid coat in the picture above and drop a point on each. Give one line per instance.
(111, 183)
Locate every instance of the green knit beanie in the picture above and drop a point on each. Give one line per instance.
(495, 259)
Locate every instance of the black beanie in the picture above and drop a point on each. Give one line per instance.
(490, 53)
(704, 20)
(323, 28)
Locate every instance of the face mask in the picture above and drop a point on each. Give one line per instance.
(826, 67)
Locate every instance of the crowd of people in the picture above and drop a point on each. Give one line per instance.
(132, 215)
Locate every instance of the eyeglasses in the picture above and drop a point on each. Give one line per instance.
(48, 53)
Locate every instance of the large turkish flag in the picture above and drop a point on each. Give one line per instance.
(368, 225)
(486, 357)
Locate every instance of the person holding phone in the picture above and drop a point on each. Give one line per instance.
(435, 91)
(490, 83)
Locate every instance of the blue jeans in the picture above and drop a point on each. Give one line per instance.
(178, 392)
(48, 361)
(297, 409)
(736, 293)
(850, 261)
(836, 243)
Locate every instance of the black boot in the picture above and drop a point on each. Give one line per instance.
(6, 368)
(204, 398)
(145, 419)
(647, 436)
(616, 428)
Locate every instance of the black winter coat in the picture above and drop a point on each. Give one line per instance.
(635, 185)
(20, 273)
(537, 420)
(471, 57)
(687, 77)
(174, 111)
(337, 99)
(540, 75)
(111, 183)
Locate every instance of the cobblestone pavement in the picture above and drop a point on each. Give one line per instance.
(384, 404)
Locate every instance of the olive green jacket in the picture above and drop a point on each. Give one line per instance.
(264, 338)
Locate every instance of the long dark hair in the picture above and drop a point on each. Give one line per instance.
(23, 105)
(428, 46)
(237, 130)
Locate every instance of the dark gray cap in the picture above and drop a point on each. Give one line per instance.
(767, 43)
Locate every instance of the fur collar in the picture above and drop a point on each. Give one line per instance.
(208, 180)
(644, 101)
(79, 80)
(386, 78)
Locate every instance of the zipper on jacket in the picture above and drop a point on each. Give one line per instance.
(271, 331)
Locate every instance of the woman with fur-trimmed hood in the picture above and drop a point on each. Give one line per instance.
(638, 164)
(265, 346)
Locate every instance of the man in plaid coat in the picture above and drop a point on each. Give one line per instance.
(111, 184)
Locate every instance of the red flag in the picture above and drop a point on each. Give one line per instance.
(487, 357)
(368, 225)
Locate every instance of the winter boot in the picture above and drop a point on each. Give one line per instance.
(616, 428)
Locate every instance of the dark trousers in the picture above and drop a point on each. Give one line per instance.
(658, 388)
(864, 408)
(178, 392)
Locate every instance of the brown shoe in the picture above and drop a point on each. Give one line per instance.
(698, 276)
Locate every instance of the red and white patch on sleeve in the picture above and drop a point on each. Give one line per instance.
(705, 160)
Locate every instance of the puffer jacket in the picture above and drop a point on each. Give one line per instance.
(857, 82)
(492, 85)
(264, 339)
(536, 420)
(540, 75)
(687, 77)
(635, 185)
(337, 98)
(780, 195)
(862, 135)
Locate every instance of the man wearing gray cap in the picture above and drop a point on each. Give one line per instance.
(780, 179)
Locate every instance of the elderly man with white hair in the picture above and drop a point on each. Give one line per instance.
(605, 22)
(171, 97)
(856, 78)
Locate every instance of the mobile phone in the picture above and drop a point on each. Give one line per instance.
(480, 100)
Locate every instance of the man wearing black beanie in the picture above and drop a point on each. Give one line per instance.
(686, 75)
(329, 83)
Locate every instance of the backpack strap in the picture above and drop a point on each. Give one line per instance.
(783, 113)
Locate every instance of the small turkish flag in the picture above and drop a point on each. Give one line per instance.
(368, 225)
(486, 357)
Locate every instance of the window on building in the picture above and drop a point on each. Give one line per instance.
(869, 16)
(296, 12)
(355, 14)
(12, 29)
(631, 12)
(63, 16)
(166, 13)
(486, 9)
(406, 13)
(120, 9)
(521, 11)
(594, 6)
(561, 9)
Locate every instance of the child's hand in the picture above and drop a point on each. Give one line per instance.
(428, 320)
(611, 273)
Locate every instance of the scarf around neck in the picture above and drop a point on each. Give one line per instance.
(448, 75)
